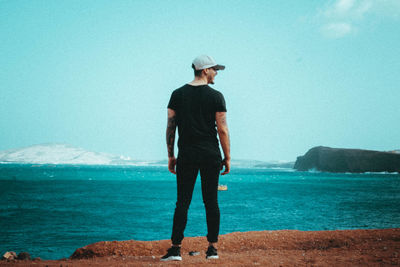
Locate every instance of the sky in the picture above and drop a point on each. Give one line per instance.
(99, 74)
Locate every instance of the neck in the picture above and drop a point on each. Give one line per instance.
(199, 81)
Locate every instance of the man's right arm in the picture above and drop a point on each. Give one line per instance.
(171, 127)
(223, 133)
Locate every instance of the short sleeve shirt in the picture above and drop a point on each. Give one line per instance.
(195, 108)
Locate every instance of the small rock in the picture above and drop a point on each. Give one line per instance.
(24, 256)
(37, 259)
(9, 255)
(194, 253)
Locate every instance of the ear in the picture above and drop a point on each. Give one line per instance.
(205, 71)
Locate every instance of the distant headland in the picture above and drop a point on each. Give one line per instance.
(329, 159)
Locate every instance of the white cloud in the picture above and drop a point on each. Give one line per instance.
(343, 6)
(354, 9)
(342, 17)
(347, 9)
(337, 30)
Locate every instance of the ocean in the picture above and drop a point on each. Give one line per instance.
(51, 210)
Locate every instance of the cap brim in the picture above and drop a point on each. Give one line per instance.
(219, 67)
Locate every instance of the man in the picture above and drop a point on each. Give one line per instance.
(197, 110)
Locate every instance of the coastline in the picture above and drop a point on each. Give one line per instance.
(370, 247)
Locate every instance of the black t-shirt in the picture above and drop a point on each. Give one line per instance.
(195, 108)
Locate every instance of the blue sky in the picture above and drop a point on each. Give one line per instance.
(99, 74)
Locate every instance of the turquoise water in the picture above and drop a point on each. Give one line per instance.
(51, 210)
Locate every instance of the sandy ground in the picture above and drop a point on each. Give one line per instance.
(263, 248)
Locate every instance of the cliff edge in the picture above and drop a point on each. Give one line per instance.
(262, 248)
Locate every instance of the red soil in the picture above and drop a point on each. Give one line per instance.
(265, 248)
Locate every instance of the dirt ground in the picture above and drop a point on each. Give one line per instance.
(263, 248)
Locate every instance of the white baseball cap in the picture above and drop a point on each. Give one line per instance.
(204, 62)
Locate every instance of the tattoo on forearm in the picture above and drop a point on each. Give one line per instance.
(171, 127)
(223, 121)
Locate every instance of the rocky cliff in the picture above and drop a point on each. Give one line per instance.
(348, 160)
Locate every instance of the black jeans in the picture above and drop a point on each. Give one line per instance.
(186, 174)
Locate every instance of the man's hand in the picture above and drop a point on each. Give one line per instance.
(227, 164)
(172, 164)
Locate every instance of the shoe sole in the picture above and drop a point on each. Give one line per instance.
(172, 258)
(212, 257)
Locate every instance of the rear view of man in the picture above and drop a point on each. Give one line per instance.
(199, 112)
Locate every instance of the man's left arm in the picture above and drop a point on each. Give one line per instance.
(171, 128)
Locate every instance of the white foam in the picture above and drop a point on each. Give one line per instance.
(381, 173)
